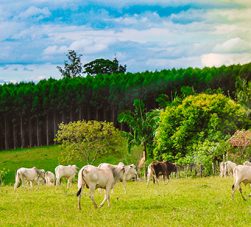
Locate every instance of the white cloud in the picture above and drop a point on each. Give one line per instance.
(32, 11)
(213, 59)
(234, 45)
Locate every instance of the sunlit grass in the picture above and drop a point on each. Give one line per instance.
(181, 202)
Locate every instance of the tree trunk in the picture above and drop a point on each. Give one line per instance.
(97, 115)
(14, 136)
(6, 132)
(88, 113)
(80, 112)
(47, 130)
(54, 124)
(30, 133)
(71, 116)
(38, 134)
(113, 115)
(21, 132)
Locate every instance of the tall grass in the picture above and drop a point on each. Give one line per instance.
(181, 202)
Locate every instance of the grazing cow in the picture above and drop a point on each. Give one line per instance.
(28, 174)
(94, 177)
(130, 172)
(223, 169)
(50, 178)
(242, 173)
(68, 172)
(247, 163)
(157, 168)
(230, 167)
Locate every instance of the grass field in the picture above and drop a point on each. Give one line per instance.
(181, 202)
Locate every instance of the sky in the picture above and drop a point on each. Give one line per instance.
(35, 35)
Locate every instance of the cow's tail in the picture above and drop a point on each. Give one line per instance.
(80, 181)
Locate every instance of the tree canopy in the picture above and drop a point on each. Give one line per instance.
(194, 120)
(73, 66)
(104, 66)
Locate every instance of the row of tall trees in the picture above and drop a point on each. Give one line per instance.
(30, 113)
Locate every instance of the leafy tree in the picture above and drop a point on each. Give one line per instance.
(194, 120)
(73, 66)
(104, 66)
(142, 125)
(243, 93)
(87, 140)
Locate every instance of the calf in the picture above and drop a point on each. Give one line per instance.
(68, 172)
(242, 173)
(94, 177)
(50, 178)
(28, 174)
(157, 168)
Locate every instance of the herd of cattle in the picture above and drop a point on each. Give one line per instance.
(105, 176)
(241, 174)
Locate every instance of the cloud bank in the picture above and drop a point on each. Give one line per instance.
(143, 34)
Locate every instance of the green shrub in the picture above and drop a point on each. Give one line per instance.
(196, 121)
(87, 140)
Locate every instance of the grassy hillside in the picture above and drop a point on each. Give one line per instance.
(48, 158)
(181, 202)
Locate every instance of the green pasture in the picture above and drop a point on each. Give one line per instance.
(181, 202)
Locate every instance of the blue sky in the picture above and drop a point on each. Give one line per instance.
(144, 34)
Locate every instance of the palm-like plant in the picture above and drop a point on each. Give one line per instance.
(142, 125)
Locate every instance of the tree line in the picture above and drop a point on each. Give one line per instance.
(30, 112)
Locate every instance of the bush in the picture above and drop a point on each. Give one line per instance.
(3, 173)
(196, 121)
(87, 140)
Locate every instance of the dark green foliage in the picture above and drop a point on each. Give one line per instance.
(31, 112)
(142, 125)
(104, 66)
(193, 128)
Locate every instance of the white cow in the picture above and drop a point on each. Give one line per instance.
(130, 171)
(28, 174)
(230, 167)
(247, 163)
(68, 172)
(50, 178)
(242, 173)
(94, 177)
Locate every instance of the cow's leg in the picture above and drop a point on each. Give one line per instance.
(240, 189)
(57, 180)
(31, 184)
(234, 187)
(68, 182)
(92, 191)
(17, 182)
(107, 193)
(148, 178)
